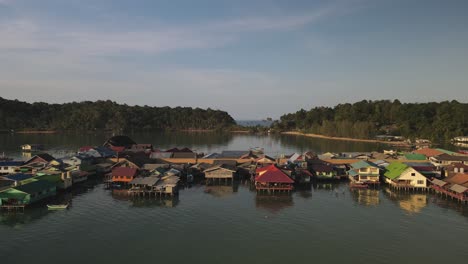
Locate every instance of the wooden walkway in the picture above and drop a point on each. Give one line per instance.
(13, 208)
(447, 193)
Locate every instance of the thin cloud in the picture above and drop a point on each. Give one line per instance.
(25, 35)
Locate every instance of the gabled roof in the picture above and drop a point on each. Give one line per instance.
(363, 164)
(428, 152)
(120, 141)
(44, 156)
(124, 171)
(395, 169)
(459, 178)
(272, 174)
(321, 167)
(19, 176)
(222, 167)
(35, 186)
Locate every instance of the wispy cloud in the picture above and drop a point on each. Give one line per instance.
(25, 34)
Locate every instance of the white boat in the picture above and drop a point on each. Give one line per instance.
(57, 206)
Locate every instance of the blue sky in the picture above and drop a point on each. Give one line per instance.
(254, 59)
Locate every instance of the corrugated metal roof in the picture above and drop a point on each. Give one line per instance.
(458, 188)
(149, 181)
(395, 169)
(438, 182)
(272, 174)
(19, 176)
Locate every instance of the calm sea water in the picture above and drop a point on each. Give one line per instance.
(327, 223)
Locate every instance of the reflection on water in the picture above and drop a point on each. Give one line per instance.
(366, 197)
(220, 191)
(18, 219)
(412, 203)
(273, 203)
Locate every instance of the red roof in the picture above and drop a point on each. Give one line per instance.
(428, 152)
(272, 174)
(124, 171)
(460, 178)
(117, 149)
(85, 148)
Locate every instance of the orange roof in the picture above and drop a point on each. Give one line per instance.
(272, 174)
(428, 152)
(459, 178)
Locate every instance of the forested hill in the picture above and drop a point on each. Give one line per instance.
(107, 115)
(366, 119)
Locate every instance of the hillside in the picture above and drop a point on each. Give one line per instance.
(366, 119)
(106, 115)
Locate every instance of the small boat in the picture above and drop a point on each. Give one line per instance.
(360, 185)
(57, 206)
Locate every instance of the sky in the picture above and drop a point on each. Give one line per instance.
(254, 59)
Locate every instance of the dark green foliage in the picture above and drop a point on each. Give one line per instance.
(366, 119)
(107, 115)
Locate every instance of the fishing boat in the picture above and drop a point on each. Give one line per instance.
(57, 206)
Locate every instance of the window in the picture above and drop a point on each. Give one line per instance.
(363, 177)
(5, 168)
(420, 182)
(413, 174)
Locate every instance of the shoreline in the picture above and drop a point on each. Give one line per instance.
(395, 143)
(37, 132)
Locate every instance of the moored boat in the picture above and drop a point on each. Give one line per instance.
(57, 206)
(360, 185)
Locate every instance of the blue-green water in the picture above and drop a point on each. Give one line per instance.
(328, 223)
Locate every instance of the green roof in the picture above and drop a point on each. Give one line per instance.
(35, 186)
(363, 164)
(54, 178)
(395, 169)
(415, 156)
(447, 151)
(13, 194)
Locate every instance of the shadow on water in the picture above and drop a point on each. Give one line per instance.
(39, 210)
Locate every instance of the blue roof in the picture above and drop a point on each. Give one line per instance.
(19, 176)
(10, 163)
(105, 151)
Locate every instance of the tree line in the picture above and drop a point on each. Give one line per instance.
(107, 115)
(437, 121)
